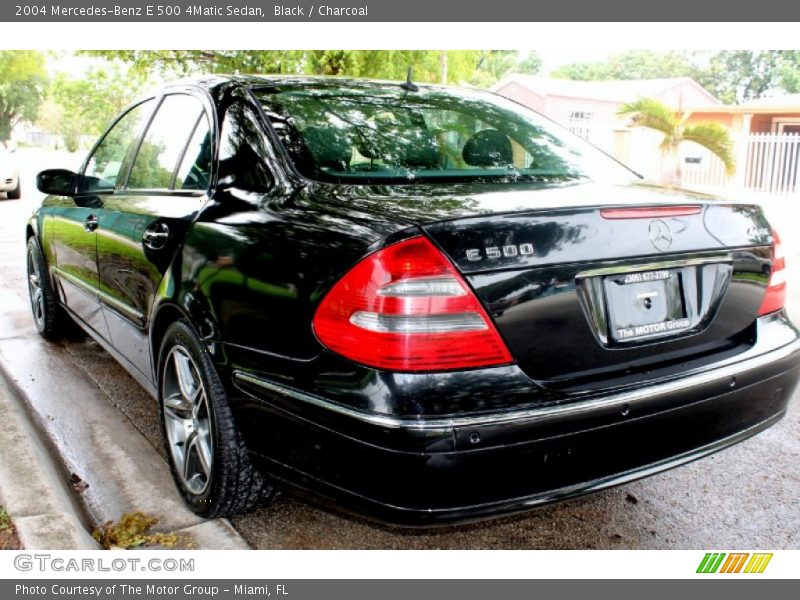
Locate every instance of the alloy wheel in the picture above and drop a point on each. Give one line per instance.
(187, 420)
(35, 291)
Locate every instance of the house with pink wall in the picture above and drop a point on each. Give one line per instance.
(589, 109)
(765, 132)
(566, 101)
(777, 114)
(766, 136)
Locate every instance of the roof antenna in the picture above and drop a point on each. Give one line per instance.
(408, 84)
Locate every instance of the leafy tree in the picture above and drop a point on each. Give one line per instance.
(22, 83)
(184, 62)
(741, 75)
(474, 67)
(636, 64)
(87, 104)
(650, 113)
(493, 65)
(790, 71)
(529, 65)
(733, 76)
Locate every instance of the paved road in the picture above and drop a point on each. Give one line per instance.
(744, 497)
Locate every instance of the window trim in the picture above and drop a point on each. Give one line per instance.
(138, 145)
(170, 190)
(186, 148)
(82, 172)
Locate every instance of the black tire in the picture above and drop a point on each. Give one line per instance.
(46, 314)
(233, 485)
(16, 193)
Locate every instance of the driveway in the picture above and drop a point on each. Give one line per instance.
(744, 497)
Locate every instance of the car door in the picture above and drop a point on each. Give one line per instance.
(75, 221)
(143, 223)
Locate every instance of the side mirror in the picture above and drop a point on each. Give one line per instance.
(58, 182)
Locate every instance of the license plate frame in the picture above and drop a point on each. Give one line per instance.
(644, 305)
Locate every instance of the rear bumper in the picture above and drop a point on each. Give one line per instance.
(429, 471)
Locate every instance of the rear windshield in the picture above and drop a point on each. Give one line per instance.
(385, 135)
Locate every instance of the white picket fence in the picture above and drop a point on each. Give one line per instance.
(772, 163)
(768, 163)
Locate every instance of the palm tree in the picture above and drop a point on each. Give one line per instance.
(650, 113)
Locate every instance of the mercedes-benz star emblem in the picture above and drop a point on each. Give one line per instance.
(660, 235)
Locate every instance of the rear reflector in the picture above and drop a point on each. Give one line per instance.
(649, 212)
(406, 308)
(775, 298)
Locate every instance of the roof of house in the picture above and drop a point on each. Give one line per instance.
(609, 91)
(784, 104)
(791, 101)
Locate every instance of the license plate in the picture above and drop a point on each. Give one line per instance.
(645, 304)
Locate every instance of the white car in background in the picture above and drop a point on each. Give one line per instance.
(9, 175)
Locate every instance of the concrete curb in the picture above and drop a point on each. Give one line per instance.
(88, 436)
(95, 441)
(32, 488)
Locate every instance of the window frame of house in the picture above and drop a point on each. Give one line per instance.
(580, 123)
(778, 124)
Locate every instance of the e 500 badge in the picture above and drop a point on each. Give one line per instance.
(496, 252)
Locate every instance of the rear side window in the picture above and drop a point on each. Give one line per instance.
(194, 172)
(243, 150)
(104, 169)
(165, 141)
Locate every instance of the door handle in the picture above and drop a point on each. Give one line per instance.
(91, 223)
(156, 236)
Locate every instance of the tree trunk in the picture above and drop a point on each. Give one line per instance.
(443, 66)
(5, 127)
(671, 174)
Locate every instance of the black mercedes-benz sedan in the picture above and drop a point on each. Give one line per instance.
(422, 304)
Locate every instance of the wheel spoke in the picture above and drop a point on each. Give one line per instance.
(183, 371)
(176, 418)
(191, 449)
(177, 426)
(39, 304)
(203, 447)
(177, 402)
(199, 409)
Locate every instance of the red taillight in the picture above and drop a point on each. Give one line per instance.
(775, 298)
(405, 308)
(649, 212)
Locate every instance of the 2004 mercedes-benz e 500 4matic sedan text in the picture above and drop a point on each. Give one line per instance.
(424, 304)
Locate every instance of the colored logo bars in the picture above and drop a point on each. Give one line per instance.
(735, 562)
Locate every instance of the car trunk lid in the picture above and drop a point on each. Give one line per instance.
(595, 286)
(586, 299)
